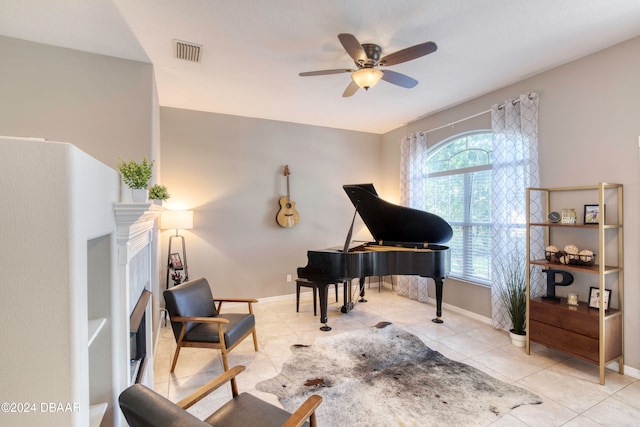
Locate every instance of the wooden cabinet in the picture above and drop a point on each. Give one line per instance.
(592, 334)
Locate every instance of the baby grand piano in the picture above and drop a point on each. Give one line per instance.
(407, 243)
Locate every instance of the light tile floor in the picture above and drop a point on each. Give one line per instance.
(569, 387)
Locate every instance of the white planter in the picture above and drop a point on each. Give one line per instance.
(140, 195)
(518, 340)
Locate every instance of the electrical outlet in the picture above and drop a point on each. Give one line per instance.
(288, 277)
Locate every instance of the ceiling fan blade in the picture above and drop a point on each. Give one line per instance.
(350, 90)
(399, 79)
(353, 47)
(325, 72)
(408, 54)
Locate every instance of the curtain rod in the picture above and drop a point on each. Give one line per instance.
(456, 122)
(531, 95)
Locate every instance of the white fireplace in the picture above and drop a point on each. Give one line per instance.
(137, 242)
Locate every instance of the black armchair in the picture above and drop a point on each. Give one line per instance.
(196, 321)
(143, 407)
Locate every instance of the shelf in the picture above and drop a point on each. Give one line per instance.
(96, 413)
(95, 326)
(605, 185)
(557, 224)
(593, 269)
(582, 307)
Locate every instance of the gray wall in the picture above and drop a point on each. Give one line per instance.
(229, 169)
(589, 125)
(102, 105)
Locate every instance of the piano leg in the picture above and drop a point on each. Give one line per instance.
(323, 293)
(439, 283)
(347, 304)
(362, 290)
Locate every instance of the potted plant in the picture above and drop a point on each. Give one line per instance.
(158, 193)
(513, 293)
(136, 176)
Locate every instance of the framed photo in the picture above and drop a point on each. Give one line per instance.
(594, 298)
(592, 214)
(176, 262)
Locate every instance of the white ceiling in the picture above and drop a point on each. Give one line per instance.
(254, 49)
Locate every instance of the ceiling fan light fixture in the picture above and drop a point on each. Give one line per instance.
(366, 77)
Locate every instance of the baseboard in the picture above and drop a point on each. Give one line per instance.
(628, 370)
(467, 313)
(161, 319)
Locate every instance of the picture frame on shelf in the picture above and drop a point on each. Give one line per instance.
(594, 298)
(176, 262)
(592, 214)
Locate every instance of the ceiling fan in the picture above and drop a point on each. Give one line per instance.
(367, 57)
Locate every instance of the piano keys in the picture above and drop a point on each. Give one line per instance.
(408, 242)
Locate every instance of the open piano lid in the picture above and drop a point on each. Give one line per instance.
(393, 224)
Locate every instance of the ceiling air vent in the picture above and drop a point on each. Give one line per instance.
(188, 51)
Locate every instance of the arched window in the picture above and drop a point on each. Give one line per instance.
(458, 188)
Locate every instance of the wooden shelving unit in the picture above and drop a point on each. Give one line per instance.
(592, 334)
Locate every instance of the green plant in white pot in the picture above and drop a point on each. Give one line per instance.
(136, 176)
(513, 293)
(158, 193)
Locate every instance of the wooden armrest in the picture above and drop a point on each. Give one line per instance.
(194, 319)
(237, 300)
(247, 300)
(210, 387)
(306, 411)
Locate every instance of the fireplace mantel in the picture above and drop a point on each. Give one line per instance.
(134, 219)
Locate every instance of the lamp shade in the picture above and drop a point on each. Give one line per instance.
(366, 77)
(178, 220)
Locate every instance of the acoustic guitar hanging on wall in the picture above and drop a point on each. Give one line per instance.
(287, 215)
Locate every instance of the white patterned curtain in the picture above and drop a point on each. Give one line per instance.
(515, 167)
(413, 161)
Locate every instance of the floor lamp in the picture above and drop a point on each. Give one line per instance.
(178, 220)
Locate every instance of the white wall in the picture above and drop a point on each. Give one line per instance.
(589, 125)
(229, 170)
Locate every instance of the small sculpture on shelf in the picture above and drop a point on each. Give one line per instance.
(552, 282)
(176, 276)
(570, 255)
(568, 216)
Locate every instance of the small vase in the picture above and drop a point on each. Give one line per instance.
(518, 340)
(140, 195)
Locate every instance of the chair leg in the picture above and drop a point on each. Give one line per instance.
(297, 297)
(225, 361)
(175, 359)
(335, 286)
(255, 339)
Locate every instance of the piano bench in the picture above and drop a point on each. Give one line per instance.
(309, 284)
